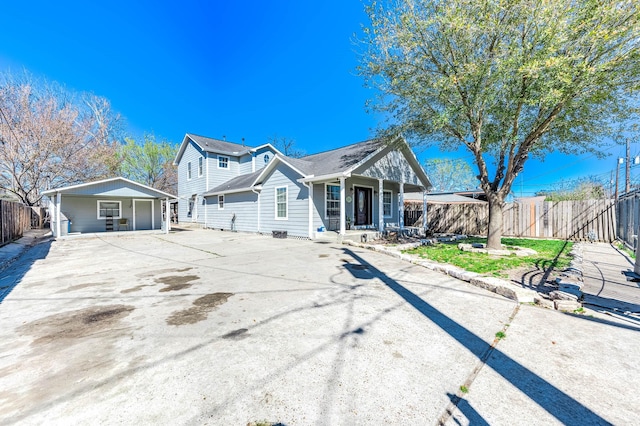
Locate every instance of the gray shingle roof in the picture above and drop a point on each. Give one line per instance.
(242, 182)
(218, 146)
(337, 160)
(324, 163)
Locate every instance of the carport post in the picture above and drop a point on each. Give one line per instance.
(58, 202)
(424, 211)
(167, 217)
(380, 205)
(343, 208)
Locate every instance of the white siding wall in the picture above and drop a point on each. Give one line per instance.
(297, 223)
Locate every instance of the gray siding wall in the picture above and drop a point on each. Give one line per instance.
(116, 188)
(243, 205)
(260, 163)
(245, 164)
(83, 212)
(392, 166)
(219, 176)
(196, 185)
(297, 223)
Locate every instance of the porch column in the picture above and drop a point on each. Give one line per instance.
(424, 211)
(310, 210)
(343, 208)
(58, 202)
(167, 217)
(380, 205)
(401, 206)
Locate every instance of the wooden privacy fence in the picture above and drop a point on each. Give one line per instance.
(15, 218)
(588, 220)
(628, 218)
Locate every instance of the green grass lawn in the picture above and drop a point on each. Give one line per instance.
(551, 253)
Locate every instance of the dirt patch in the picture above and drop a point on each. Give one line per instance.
(323, 255)
(200, 310)
(176, 282)
(75, 324)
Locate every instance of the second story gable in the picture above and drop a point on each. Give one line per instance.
(204, 163)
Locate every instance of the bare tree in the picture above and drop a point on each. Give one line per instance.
(49, 139)
(287, 146)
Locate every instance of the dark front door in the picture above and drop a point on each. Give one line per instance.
(363, 206)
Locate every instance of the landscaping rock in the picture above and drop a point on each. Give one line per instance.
(567, 305)
(562, 295)
(544, 302)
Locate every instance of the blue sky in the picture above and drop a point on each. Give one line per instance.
(225, 68)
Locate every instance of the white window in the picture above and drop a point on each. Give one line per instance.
(386, 203)
(220, 202)
(281, 203)
(109, 209)
(189, 170)
(223, 162)
(200, 168)
(332, 201)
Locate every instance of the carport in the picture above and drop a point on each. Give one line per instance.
(116, 204)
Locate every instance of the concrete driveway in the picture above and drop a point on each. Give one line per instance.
(209, 327)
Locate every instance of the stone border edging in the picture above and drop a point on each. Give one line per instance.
(495, 285)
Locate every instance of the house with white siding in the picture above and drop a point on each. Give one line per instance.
(231, 186)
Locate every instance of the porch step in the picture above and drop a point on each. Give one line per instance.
(360, 236)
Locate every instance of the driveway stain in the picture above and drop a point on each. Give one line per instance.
(238, 334)
(79, 287)
(200, 309)
(176, 282)
(162, 271)
(136, 288)
(75, 324)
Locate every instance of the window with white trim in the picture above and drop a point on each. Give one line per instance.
(189, 170)
(220, 202)
(200, 167)
(386, 203)
(332, 201)
(281, 203)
(109, 209)
(223, 162)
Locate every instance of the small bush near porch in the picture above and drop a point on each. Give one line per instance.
(551, 254)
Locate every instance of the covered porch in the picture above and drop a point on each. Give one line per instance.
(353, 204)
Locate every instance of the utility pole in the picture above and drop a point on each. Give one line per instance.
(620, 160)
(627, 169)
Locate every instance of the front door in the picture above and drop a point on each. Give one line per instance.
(363, 206)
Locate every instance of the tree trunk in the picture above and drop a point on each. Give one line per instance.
(494, 236)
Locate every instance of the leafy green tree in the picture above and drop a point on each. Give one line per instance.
(450, 175)
(150, 162)
(507, 79)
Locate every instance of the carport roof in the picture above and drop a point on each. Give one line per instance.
(88, 185)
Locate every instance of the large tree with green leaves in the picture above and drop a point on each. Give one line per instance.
(450, 174)
(507, 79)
(149, 162)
